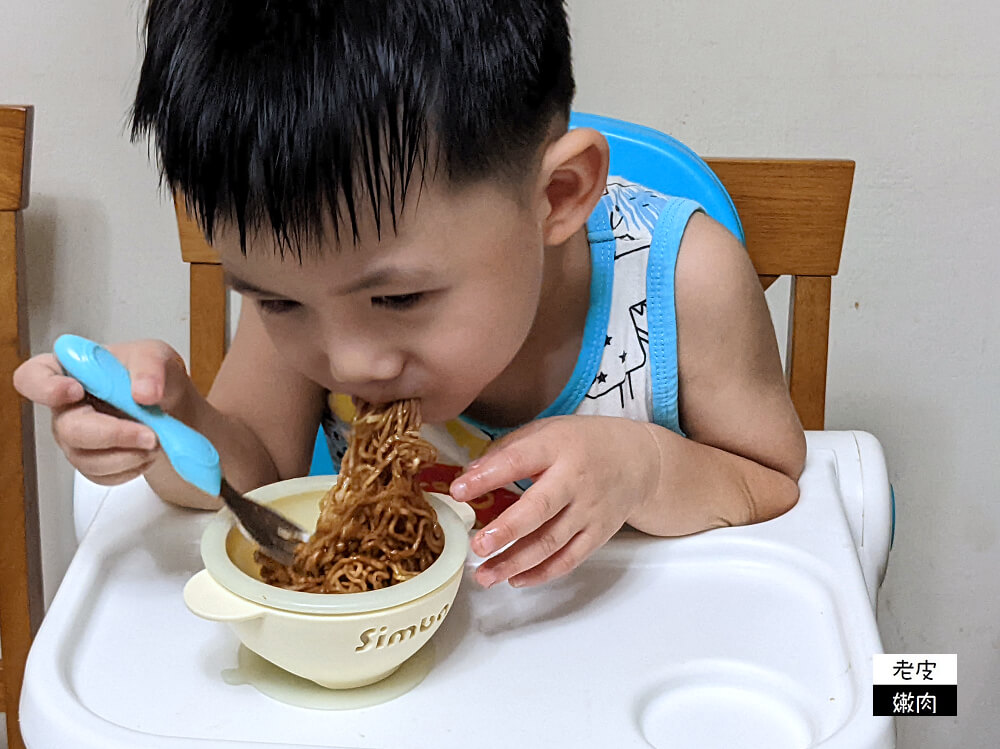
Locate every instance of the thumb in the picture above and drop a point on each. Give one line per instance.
(156, 371)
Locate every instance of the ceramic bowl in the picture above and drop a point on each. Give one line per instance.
(340, 640)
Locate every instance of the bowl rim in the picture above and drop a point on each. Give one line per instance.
(225, 572)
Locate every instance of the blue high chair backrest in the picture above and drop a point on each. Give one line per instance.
(647, 157)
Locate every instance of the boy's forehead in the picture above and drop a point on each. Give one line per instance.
(370, 252)
(413, 255)
(322, 228)
(432, 211)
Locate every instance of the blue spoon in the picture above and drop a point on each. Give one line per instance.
(192, 456)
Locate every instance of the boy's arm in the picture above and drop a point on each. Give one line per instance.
(739, 463)
(261, 415)
(746, 447)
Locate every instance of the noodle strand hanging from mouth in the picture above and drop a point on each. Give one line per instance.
(375, 527)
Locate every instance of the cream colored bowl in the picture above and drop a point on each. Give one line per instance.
(339, 641)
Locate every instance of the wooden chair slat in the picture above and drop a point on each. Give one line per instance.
(15, 157)
(20, 558)
(794, 211)
(194, 247)
(808, 343)
(207, 323)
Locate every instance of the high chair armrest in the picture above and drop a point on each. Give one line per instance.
(878, 511)
(866, 496)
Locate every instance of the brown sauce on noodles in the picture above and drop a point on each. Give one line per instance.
(375, 527)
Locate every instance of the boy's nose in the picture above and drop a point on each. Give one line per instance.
(362, 364)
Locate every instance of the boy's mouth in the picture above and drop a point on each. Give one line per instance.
(380, 399)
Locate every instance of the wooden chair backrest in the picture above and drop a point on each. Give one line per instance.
(794, 213)
(20, 561)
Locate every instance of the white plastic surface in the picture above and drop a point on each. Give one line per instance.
(87, 500)
(764, 633)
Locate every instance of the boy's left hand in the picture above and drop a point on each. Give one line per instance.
(590, 474)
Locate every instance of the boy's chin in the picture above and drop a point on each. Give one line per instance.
(433, 412)
(437, 416)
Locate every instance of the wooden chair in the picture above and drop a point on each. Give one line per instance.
(20, 561)
(794, 213)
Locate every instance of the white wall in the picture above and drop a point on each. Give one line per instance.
(908, 90)
(103, 257)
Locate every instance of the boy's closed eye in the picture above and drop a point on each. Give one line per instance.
(393, 302)
(277, 306)
(398, 301)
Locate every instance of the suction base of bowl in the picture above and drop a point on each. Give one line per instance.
(286, 687)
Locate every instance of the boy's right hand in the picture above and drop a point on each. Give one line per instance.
(106, 449)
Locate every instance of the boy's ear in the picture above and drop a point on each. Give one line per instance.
(574, 174)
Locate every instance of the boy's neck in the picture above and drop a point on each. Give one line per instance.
(545, 362)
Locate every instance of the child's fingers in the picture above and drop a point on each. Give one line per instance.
(110, 465)
(520, 459)
(536, 507)
(529, 552)
(564, 561)
(83, 428)
(148, 363)
(500, 443)
(117, 478)
(40, 379)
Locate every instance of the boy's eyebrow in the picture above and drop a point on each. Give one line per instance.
(378, 277)
(384, 276)
(239, 285)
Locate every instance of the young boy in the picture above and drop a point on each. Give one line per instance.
(393, 189)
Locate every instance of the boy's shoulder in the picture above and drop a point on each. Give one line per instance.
(710, 260)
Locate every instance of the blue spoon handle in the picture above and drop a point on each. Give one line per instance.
(103, 376)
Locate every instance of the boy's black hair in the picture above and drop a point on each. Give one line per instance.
(284, 112)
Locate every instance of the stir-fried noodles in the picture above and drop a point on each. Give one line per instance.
(375, 527)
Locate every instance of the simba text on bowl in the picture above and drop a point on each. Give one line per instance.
(377, 638)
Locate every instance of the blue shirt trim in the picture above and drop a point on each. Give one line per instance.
(602, 252)
(661, 310)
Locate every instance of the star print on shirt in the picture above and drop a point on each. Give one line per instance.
(621, 387)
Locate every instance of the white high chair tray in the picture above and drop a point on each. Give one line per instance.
(760, 636)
